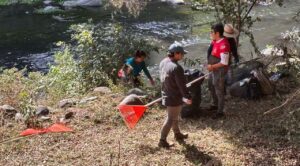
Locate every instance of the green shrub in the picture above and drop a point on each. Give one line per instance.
(102, 50)
(290, 48)
(92, 60)
(19, 91)
(62, 78)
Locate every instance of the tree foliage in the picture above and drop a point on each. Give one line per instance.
(237, 12)
(134, 7)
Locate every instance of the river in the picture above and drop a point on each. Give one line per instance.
(27, 38)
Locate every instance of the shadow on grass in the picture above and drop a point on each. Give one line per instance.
(246, 126)
(194, 155)
(148, 149)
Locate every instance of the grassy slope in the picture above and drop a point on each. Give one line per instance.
(245, 137)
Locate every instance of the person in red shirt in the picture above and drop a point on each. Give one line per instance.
(218, 62)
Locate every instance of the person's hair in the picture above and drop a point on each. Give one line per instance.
(218, 27)
(139, 54)
(171, 54)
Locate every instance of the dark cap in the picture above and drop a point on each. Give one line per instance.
(176, 47)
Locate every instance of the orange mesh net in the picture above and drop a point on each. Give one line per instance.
(131, 114)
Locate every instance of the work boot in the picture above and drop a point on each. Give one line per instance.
(180, 136)
(164, 144)
(213, 107)
(218, 115)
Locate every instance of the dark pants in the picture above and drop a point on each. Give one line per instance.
(133, 81)
(216, 85)
(136, 82)
(171, 121)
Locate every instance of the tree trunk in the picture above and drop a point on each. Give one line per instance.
(239, 22)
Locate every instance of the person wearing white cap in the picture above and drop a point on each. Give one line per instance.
(231, 34)
(174, 93)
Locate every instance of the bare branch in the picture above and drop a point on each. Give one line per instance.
(285, 103)
(253, 3)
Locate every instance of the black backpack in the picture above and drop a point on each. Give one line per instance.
(195, 90)
(249, 88)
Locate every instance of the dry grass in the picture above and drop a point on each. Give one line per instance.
(244, 137)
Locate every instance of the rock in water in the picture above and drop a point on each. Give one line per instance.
(47, 2)
(132, 100)
(175, 2)
(83, 3)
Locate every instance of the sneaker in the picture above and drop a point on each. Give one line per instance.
(164, 144)
(180, 136)
(218, 115)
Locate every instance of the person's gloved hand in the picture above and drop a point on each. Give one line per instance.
(210, 68)
(187, 101)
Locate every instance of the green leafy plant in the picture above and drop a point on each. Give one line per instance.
(62, 78)
(101, 50)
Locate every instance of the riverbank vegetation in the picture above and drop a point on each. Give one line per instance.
(91, 59)
(245, 137)
(253, 133)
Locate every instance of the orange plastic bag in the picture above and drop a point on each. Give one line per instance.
(55, 128)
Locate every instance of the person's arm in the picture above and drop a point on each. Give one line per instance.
(224, 62)
(180, 81)
(146, 71)
(209, 50)
(233, 49)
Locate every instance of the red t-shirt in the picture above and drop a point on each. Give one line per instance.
(219, 47)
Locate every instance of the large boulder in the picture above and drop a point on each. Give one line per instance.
(249, 88)
(83, 3)
(67, 103)
(242, 71)
(136, 91)
(103, 90)
(8, 111)
(132, 100)
(87, 99)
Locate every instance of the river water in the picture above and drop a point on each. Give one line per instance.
(27, 38)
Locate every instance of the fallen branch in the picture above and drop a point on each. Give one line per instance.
(285, 103)
(14, 139)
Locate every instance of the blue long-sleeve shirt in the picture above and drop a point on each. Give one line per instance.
(138, 67)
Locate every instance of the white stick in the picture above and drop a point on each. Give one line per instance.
(153, 102)
(195, 80)
(187, 85)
